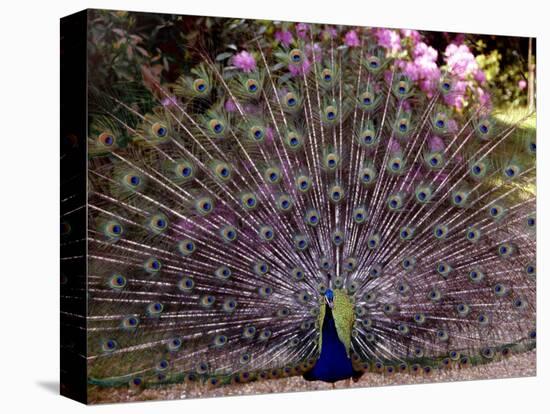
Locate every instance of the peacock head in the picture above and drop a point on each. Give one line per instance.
(329, 298)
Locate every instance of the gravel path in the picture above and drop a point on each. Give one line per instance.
(521, 365)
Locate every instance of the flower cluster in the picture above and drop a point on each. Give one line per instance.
(462, 65)
(419, 62)
(413, 57)
(244, 61)
(422, 68)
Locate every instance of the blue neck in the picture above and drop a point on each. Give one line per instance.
(333, 363)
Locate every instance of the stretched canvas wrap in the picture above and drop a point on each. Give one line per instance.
(260, 206)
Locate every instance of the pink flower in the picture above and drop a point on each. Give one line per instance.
(389, 39)
(301, 30)
(428, 52)
(310, 50)
(230, 105)
(456, 97)
(460, 60)
(351, 39)
(411, 34)
(244, 61)
(436, 144)
(484, 98)
(522, 84)
(300, 69)
(329, 33)
(394, 146)
(169, 101)
(388, 76)
(423, 69)
(452, 126)
(285, 37)
(269, 135)
(479, 76)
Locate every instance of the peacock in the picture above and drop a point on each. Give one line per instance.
(305, 209)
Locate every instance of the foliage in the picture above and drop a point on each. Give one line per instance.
(126, 47)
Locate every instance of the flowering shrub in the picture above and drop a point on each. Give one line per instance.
(414, 58)
(478, 63)
(419, 62)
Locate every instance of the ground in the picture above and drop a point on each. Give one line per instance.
(520, 365)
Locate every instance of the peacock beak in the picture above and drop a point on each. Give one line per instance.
(329, 302)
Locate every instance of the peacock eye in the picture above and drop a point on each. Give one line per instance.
(373, 63)
(106, 139)
(200, 85)
(152, 266)
(159, 130)
(216, 126)
(252, 86)
(117, 282)
(132, 181)
(296, 56)
(327, 75)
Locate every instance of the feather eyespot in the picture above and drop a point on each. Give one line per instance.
(301, 242)
(204, 205)
(293, 140)
(223, 272)
(216, 126)
(113, 230)
(295, 56)
(201, 86)
(159, 130)
(252, 86)
(303, 183)
(117, 282)
(109, 345)
(187, 247)
(284, 202)
(272, 175)
(152, 265)
(106, 139)
(267, 233)
(186, 284)
(154, 309)
(326, 75)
